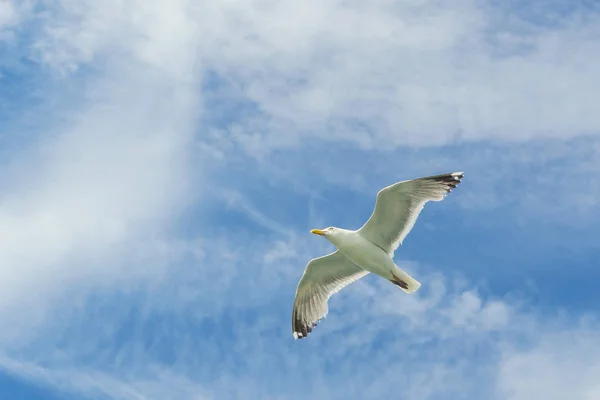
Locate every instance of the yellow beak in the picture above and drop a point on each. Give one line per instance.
(317, 232)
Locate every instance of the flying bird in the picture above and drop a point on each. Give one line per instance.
(369, 249)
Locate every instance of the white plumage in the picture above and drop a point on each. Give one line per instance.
(369, 249)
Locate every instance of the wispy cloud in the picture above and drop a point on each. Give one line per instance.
(566, 361)
(436, 73)
(103, 180)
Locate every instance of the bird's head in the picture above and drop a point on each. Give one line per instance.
(327, 232)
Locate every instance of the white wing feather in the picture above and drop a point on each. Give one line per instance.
(323, 277)
(399, 205)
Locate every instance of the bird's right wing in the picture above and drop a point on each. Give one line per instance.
(322, 277)
(399, 205)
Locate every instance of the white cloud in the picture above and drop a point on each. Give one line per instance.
(160, 384)
(7, 14)
(11, 14)
(109, 176)
(391, 75)
(158, 34)
(386, 74)
(563, 364)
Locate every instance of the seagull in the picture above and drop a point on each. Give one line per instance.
(369, 249)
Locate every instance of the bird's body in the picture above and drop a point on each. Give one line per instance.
(369, 249)
(372, 258)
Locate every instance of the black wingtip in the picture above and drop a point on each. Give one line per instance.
(300, 329)
(399, 282)
(303, 331)
(451, 180)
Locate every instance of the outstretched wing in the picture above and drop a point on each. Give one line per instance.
(399, 205)
(322, 277)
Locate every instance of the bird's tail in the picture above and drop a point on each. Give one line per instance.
(404, 281)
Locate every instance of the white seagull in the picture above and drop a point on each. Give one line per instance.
(369, 249)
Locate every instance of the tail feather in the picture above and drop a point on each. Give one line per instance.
(404, 281)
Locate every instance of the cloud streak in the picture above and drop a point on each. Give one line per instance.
(436, 73)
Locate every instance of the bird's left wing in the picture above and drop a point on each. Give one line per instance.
(399, 205)
(322, 277)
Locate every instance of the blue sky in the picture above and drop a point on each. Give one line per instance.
(163, 162)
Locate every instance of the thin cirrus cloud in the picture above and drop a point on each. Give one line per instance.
(138, 230)
(385, 74)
